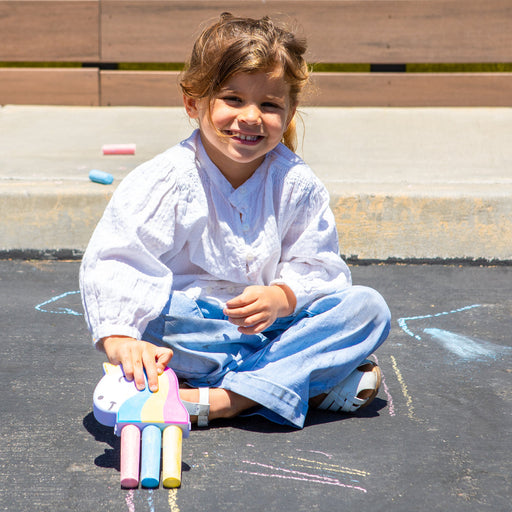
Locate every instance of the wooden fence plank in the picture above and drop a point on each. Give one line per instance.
(411, 89)
(49, 86)
(59, 31)
(334, 89)
(370, 31)
(150, 88)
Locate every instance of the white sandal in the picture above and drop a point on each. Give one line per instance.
(356, 391)
(200, 409)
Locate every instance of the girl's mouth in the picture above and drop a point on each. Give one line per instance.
(244, 138)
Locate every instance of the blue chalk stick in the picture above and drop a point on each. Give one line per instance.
(101, 177)
(150, 456)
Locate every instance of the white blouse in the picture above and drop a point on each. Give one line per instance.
(176, 223)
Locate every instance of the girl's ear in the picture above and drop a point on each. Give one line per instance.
(191, 106)
(291, 115)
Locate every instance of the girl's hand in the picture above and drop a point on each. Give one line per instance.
(137, 356)
(258, 307)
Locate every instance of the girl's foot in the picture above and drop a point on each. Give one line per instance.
(355, 392)
(223, 403)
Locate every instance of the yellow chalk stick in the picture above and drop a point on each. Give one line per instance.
(171, 456)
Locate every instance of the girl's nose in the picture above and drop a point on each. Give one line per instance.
(251, 115)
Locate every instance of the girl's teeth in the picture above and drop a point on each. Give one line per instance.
(250, 138)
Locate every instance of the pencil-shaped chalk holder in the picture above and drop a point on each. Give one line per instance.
(149, 424)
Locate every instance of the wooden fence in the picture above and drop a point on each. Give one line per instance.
(98, 36)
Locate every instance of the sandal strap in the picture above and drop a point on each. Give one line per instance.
(200, 409)
(343, 397)
(338, 403)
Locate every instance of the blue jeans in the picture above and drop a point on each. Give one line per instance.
(298, 357)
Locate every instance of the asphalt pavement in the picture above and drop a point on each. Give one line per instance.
(437, 437)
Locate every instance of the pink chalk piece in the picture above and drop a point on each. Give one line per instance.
(118, 149)
(130, 456)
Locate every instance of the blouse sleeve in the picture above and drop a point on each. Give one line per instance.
(310, 262)
(123, 282)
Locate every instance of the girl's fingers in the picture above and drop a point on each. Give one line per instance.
(148, 359)
(243, 317)
(246, 309)
(254, 325)
(250, 321)
(163, 358)
(254, 329)
(241, 310)
(127, 367)
(155, 360)
(138, 372)
(138, 356)
(246, 298)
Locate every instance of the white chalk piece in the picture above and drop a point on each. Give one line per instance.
(101, 177)
(118, 149)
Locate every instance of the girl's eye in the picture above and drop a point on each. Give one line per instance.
(271, 105)
(232, 99)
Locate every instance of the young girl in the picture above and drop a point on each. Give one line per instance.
(220, 256)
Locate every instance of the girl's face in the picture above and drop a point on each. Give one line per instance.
(252, 112)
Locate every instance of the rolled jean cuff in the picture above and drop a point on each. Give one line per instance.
(276, 399)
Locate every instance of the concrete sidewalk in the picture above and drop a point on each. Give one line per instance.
(406, 184)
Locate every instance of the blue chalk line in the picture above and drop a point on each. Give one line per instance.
(402, 322)
(466, 348)
(60, 310)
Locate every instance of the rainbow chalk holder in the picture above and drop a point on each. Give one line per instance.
(149, 424)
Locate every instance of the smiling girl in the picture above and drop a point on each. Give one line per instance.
(219, 257)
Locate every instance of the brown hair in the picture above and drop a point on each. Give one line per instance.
(245, 45)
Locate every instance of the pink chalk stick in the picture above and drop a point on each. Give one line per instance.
(118, 149)
(130, 456)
